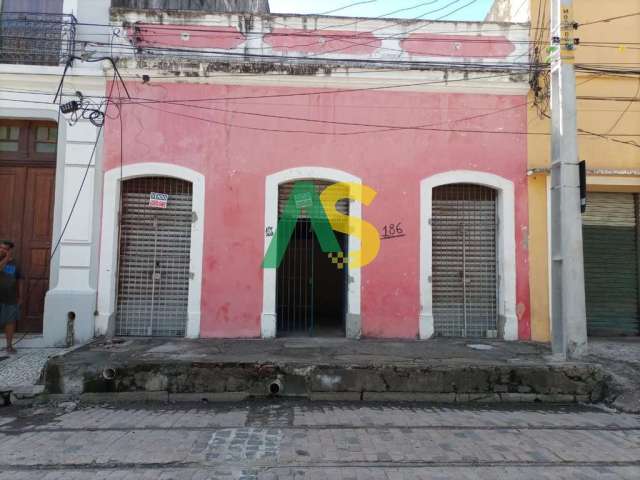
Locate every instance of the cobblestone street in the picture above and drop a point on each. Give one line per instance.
(301, 440)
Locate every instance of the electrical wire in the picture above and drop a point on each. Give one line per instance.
(379, 17)
(409, 30)
(320, 92)
(221, 54)
(459, 37)
(448, 63)
(361, 2)
(121, 120)
(212, 33)
(343, 37)
(207, 27)
(624, 112)
(137, 100)
(405, 9)
(610, 19)
(314, 132)
(582, 131)
(383, 128)
(395, 23)
(610, 138)
(18, 100)
(285, 71)
(390, 49)
(608, 99)
(206, 32)
(379, 128)
(538, 79)
(86, 173)
(239, 74)
(520, 7)
(584, 98)
(386, 128)
(210, 29)
(77, 197)
(206, 99)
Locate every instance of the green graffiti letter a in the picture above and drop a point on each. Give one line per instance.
(304, 195)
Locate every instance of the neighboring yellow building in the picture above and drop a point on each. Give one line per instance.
(609, 140)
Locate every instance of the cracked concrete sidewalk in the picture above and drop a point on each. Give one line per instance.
(315, 351)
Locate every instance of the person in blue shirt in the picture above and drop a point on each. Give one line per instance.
(9, 293)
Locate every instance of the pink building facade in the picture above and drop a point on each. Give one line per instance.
(229, 119)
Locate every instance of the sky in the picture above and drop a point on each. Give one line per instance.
(425, 9)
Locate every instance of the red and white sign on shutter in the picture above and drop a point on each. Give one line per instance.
(158, 200)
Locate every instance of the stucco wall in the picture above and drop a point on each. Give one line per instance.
(595, 112)
(598, 111)
(235, 162)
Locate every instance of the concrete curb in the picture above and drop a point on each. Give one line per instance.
(232, 397)
(230, 382)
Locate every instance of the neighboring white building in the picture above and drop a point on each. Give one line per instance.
(44, 161)
(516, 11)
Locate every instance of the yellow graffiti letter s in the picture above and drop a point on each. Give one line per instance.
(367, 233)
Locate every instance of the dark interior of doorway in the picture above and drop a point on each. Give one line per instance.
(310, 288)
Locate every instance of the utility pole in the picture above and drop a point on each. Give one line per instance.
(568, 311)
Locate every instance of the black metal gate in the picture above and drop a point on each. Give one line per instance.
(155, 245)
(310, 286)
(464, 223)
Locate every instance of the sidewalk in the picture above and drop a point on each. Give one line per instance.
(20, 373)
(620, 357)
(448, 370)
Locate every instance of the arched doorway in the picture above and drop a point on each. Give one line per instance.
(484, 204)
(464, 252)
(311, 285)
(154, 257)
(269, 320)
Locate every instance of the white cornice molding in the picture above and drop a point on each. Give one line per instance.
(440, 81)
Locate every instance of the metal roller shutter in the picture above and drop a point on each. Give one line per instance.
(464, 277)
(611, 264)
(155, 243)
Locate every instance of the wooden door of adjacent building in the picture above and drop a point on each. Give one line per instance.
(27, 176)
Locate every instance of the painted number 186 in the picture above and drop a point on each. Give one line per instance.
(393, 230)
